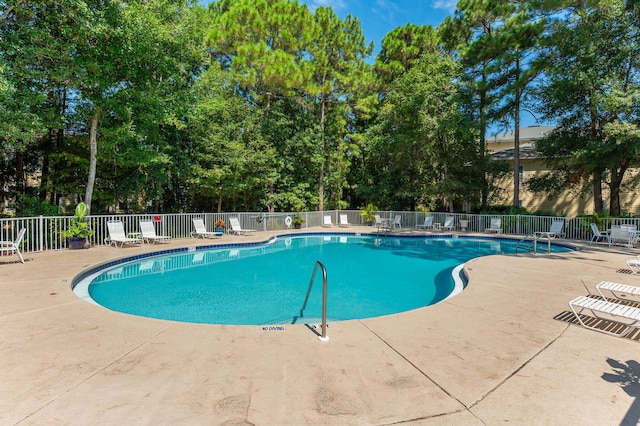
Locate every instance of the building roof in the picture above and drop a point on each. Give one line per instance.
(529, 133)
(527, 152)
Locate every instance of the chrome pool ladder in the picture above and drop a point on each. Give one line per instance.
(533, 238)
(323, 336)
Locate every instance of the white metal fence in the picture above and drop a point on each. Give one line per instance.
(43, 231)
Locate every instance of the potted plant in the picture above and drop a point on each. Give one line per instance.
(368, 213)
(78, 231)
(219, 225)
(297, 221)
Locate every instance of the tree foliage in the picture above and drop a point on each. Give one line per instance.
(164, 105)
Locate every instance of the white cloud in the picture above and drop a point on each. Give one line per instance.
(386, 9)
(334, 4)
(448, 5)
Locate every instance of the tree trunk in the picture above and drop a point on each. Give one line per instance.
(20, 181)
(322, 166)
(516, 142)
(93, 150)
(598, 204)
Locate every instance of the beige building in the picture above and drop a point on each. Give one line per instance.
(571, 202)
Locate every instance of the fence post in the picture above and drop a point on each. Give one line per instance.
(40, 232)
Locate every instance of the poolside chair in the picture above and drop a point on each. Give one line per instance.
(495, 226)
(448, 223)
(632, 230)
(344, 220)
(621, 235)
(619, 291)
(237, 229)
(118, 236)
(201, 230)
(396, 222)
(326, 222)
(148, 232)
(428, 223)
(634, 265)
(382, 224)
(597, 234)
(14, 246)
(625, 315)
(554, 232)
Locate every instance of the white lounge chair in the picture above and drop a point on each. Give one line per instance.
(396, 222)
(344, 220)
(118, 236)
(237, 229)
(428, 223)
(14, 246)
(148, 232)
(495, 226)
(626, 315)
(326, 222)
(620, 234)
(554, 232)
(619, 291)
(634, 265)
(448, 223)
(201, 230)
(382, 224)
(597, 234)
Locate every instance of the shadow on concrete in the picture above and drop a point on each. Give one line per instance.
(628, 377)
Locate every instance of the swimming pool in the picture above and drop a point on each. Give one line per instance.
(266, 284)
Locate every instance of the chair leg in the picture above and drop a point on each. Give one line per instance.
(20, 255)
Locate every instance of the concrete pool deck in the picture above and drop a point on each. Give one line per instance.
(495, 353)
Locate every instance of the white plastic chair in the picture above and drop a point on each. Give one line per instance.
(201, 230)
(14, 246)
(597, 234)
(117, 235)
(448, 223)
(344, 220)
(237, 229)
(553, 232)
(149, 235)
(495, 226)
(428, 223)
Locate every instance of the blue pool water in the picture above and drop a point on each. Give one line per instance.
(267, 284)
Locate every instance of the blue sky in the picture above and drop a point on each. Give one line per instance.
(379, 17)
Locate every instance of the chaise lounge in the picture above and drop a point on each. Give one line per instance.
(201, 230)
(118, 236)
(237, 229)
(627, 316)
(148, 231)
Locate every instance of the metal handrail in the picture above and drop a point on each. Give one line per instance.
(323, 336)
(535, 243)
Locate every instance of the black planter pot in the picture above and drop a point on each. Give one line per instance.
(297, 225)
(77, 243)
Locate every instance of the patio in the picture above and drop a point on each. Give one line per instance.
(498, 352)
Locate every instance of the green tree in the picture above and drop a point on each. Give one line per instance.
(403, 48)
(231, 161)
(422, 141)
(337, 55)
(591, 89)
(497, 42)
